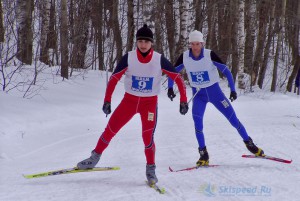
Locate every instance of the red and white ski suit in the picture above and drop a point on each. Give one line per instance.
(142, 85)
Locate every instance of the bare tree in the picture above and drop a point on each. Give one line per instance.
(270, 37)
(244, 33)
(8, 48)
(64, 52)
(292, 25)
(170, 28)
(113, 32)
(110, 43)
(199, 15)
(80, 37)
(211, 10)
(131, 27)
(159, 25)
(262, 25)
(278, 48)
(241, 45)
(1, 24)
(98, 25)
(224, 30)
(52, 34)
(116, 29)
(250, 27)
(183, 18)
(71, 18)
(45, 18)
(24, 30)
(234, 5)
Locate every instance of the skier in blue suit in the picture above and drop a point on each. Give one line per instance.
(202, 67)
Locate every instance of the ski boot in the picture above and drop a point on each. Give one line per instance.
(90, 162)
(204, 158)
(150, 174)
(253, 148)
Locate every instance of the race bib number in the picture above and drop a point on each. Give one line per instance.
(200, 77)
(142, 84)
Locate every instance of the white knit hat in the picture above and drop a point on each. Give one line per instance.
(196, 36)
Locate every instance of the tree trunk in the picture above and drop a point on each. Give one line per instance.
(183, 11)
(81, 34)
(100, 35)
(1, 24)
(224, 30)
(199, 16)
(64, 40)
(211, 40)
(45, 17)
(116, 29)
(262, 25)
(159, 29)
(52, 35)
(241, 45)
(131, 28)
(97, 25)
(71, 18)
(170, 28)
(108, 34)
(278, 49)
(250, 29)
(24, 31)
(271, 32)
(234, 5)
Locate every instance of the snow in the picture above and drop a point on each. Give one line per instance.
(60, 127)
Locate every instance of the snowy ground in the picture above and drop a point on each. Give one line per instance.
(61, 126)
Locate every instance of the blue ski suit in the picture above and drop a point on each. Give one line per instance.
(204, 79)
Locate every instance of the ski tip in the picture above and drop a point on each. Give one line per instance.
(268, 157)
(171, 170)
(156, 188)
(25, 176)
(162, 191)
(289, 161)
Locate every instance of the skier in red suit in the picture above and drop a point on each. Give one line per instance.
(143, 69)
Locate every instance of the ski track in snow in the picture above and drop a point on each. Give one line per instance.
(57, 143)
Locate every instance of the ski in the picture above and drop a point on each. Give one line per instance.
(192, 168)
(68, 171)
(268, 158)
(156, 188)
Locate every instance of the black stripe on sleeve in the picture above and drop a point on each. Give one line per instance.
(122, 64)
(216, 58)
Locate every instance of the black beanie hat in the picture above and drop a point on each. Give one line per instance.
(144, 33)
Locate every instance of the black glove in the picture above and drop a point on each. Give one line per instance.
(171, 94)
(106, 108)
(183, 108)
(233, 96)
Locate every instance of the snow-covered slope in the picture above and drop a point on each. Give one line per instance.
(61, 126)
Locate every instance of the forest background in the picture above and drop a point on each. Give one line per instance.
(257, 39)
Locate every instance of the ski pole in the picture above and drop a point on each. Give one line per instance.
(165, 81)
(106, 80)
(197, 90)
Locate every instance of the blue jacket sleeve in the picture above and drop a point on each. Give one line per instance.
(224, 69)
